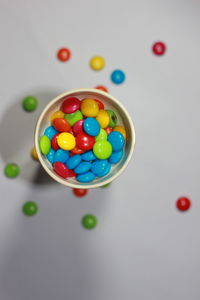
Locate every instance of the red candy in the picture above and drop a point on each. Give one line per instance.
(70, 105)
(77, 150)
(85, 141)
(80, 192)
(100, 104)
(78, 127)
(71, 173)
(63, 54)
(61, 169)
(108, 130)
(159, 48)
(61, 125)
(54, 144)
(183, 203)
(102, 88)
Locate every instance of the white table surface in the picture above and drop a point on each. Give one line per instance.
(143, 248)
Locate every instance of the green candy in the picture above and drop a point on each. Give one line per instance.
(101, 136)
(113, 118)
(11, 170)
(30, 103)
(102, 149)
(30, 208)
(89, 221)
(74, 117)
(106, 185)
(45, 144)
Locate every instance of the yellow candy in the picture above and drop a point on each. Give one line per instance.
(103, 118)
(97, 63)
(89, 107)
(34, 153)
(57, 114)
(121, 130)
(66, 141)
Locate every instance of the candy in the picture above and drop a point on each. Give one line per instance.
(57, 114)
(106, 185)
(11, 170)
(61, 124)
(86, 177)
(77, 150)
(73, 161)
(74, 117)
(113, 118)
(63, 54)
(70, 105)
(85, 141)
(54, 143)
(66, 141)
(115, 157)
(91, 126)
(83, 167)
(88, 156)
(80, 192)
(121, 130)
(102, 88)
(61, 169)
(159, 48)
(102, 149)
(89, 222)
(103, 118)
(183, 203)
(34, 154)
(71, 173)
(97, 63)
(101, 136)
(108, 130)
(117, 140)
(61, 155)
(89, 107)
(50, 155)
(100, 167)
(30, 208)
(30, 103)
(44, 144)
(100, 104)
(78, 127)
(118, 76)
(50, 132)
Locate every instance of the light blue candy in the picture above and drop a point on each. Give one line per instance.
(85, 177)
(50, 132)
(100, 167)
(73, 161)
(83, 167)
(50, 155)
(91, 126)
(61, 155)
(117, 140)
(115, 157)
(88, 156)
(118, 76)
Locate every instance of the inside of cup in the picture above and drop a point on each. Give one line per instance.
(123, 120)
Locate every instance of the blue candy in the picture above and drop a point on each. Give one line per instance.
(83, 167)
(86, 177)
(100, 167)
(61, 155)
(117, 140)
(91, 126)
(115, 157)
(88, 156)
(73, 161)
(50, 155)
(50, 132)
(118, 76)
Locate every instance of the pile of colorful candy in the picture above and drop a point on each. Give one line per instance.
(83, 140)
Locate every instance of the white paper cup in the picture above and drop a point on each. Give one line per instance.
(124, 119)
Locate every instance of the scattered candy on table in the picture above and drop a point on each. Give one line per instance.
(102, 88)
(183, 203)
(82, 139)
(11, 170)
(80, 192)
(63, 54)
(30, 103)
(34, 154)
(118, 76)
(97, 63)
(30, 208)
(159, 48)
(89, 221)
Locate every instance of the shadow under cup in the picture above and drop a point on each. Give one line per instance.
(123, 119)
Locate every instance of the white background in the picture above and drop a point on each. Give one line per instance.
(143, 248)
